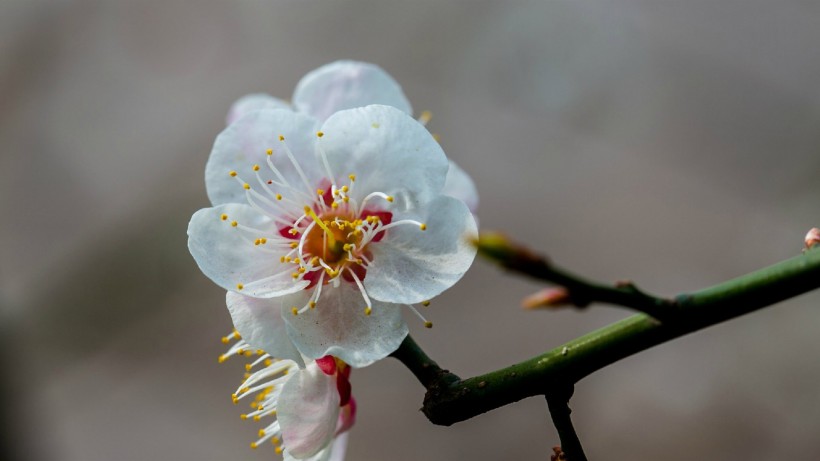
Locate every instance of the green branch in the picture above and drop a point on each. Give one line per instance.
(450, 400)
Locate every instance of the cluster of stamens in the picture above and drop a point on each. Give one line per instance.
(324, 244)
(264, 384)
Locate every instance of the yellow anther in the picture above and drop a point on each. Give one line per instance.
(268, 362)
(247, 353)
(226, 340)
(346, 199)
(425, 303)
(423, 227)
(232, 173)
(314, 261)
(256, 168)
(261, 432)
(269, 151)
(294, 310)
(368, 310)
(389, 198)
(307, 209)
(294, 244)
(253, 444)
(257, 242)
(334, 205)
(278, 196)
(263, 240)
(278, 450)
(239, 286)
(257, 417)
(246, 375)
(244, 390)
(319, 192)
(425, 117)
(288, 259)
(246, 186)
(319, 134)
(352, 177)
(312, 304)
(222, 358)
(347, 247)
(302, 270)
(281, 259)
(248, 367)
(295, 275)
(276, 440)
(293, 231)
(336, 192)
(345, 188)
(437, 137)
(297, 260)
(243, 416)
(281, 137)
(234, 223)
(428, 324)
(224, 217)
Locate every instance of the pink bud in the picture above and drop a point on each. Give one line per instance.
(548, 297)
(813, 237)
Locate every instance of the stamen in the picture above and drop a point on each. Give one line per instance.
(369, 308)
(427, 323)
(295, 163)
(425, 117)
(389, 198)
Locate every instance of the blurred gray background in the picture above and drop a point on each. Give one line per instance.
(672, 143)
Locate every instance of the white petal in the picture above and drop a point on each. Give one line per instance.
(389, 151)
(251, 103)
(228, 256)
(244, 143)
(459, 185)
(260, 323)
(411, 265)
(307, 411)
(344, 85)
(334, 452)
(338, 326)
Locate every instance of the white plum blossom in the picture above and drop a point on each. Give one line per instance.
(307, 409)
(336, 225)
(325, 222)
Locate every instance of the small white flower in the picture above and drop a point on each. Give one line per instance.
(336, 226)
(307, 411)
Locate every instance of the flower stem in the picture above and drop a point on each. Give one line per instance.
(558, 404)
(450, 400)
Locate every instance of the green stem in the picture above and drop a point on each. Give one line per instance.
(452, 400)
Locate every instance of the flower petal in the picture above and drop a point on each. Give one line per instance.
(344, 85)
(228, 256)
(334, 452)
(338, 326)
(251, 103)
(244, 144)
(260, 323)
(410, 265)
(389, 152)
(307, 411)
(459, 185)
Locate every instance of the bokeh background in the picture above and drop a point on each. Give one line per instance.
(672, 143)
